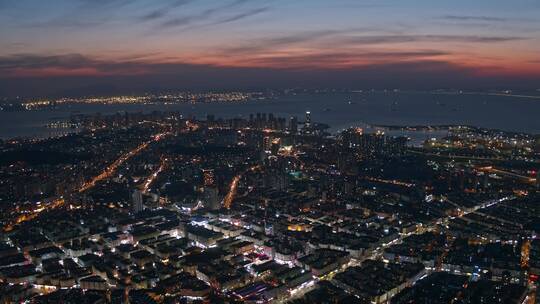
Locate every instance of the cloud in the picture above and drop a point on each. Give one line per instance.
(162, 12)
(277, 42)
(243, 15)
(25, 65)
(338, 59)
(417, 74)
(16, 45)
(87, 13)
(32, 65)
(384, 39)
(38, 61)
(181, 21)
(315, 64)
(347, 36)
(346, 39)
(418, 70)
(206, 14)
(473, 18)
(69, 22)
(99, 4)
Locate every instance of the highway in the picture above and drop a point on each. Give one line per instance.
(107, 173)
(34, 213)
(229, 198)
(490, 169)
(111, 169)
(153, 176)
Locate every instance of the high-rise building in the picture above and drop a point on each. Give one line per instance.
(267, 143)
(211, 198)
(281, 124)
(373, 143)
(210, 195)
(209, 178)
(293, 124)
(137, 201)
(274, 146)
(308, 119)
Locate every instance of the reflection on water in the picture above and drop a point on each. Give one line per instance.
(339, 110)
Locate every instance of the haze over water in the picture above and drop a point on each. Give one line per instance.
(339, 110)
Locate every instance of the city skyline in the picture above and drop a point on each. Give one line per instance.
(48, 48)
(164, 208)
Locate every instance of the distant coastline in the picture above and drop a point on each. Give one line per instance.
(398, 111)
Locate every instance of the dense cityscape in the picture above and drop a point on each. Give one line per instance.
(29, 104)
(161, 208)
(269, 152)
(176, 97)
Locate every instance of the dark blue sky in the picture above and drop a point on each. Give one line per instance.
(58, 45)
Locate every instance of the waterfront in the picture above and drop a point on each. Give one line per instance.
(339, 110)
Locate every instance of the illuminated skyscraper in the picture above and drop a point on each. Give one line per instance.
(209, 178)
(308, 119)
(137, 201)
(293, 124)
(210, 198)
(274, 146)
(267, 143)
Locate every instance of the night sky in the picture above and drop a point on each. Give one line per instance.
(82, 46)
